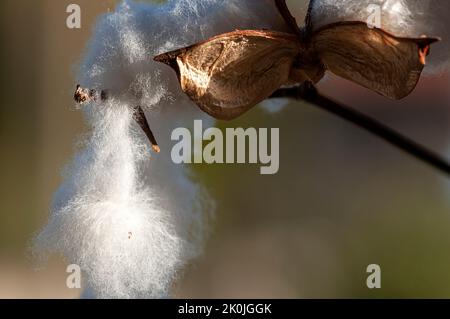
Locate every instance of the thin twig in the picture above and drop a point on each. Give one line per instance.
(309, 93)
(140, 118)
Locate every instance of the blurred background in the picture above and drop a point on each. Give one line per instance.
(342, 199)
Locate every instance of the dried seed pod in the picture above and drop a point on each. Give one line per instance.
(230, 73)
(372, 58)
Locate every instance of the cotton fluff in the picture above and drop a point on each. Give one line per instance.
(130, 221)
(403, 18)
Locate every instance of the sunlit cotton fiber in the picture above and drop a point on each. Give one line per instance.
(131, 221)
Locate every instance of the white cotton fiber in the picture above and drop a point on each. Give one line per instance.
(396, 15)
(403, 18)
(107, 221)
(130, 221)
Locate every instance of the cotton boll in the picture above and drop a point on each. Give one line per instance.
(108, 222)
(136, 32)
(128, 219)
(403, 18)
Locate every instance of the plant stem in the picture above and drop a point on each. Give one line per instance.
(310, 94)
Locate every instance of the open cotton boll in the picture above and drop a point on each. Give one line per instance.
(130, 221)
(403, 18)
(107, 221)
(136, 32)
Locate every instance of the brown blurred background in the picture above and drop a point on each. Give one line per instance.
(341, 201)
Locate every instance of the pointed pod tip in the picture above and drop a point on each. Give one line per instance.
(425, 43)
(424, 39)
(423, 53)
(168, 58)
(156, 148)
(163, 58)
